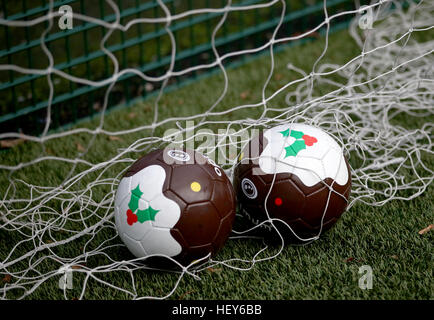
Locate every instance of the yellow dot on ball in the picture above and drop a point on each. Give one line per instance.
(195, 186)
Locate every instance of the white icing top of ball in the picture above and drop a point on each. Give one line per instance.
(151, 236)
(306, 151)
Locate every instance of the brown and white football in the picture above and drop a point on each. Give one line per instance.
(174, 203)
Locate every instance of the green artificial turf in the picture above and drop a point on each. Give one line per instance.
(385, 238)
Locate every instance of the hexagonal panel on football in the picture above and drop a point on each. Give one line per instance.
(199, 223)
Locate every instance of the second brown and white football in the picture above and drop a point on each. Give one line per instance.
(299, 174)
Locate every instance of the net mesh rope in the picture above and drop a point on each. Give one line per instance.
(392, 75)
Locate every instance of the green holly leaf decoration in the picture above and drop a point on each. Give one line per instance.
(295, 148)
(134, 200)
(285, 133)
(295, 134)
(147, 214)
(142, 215)
(298, 145)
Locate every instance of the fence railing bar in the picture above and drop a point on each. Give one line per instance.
(149, 36)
